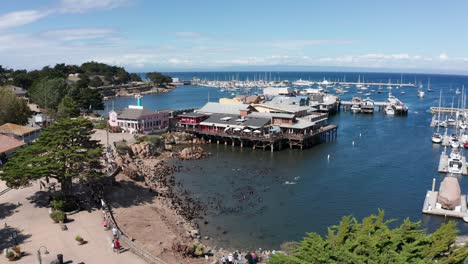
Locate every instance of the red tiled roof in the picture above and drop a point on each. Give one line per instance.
(18, 130)
(8, 143)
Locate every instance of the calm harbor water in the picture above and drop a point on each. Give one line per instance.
(390, 166)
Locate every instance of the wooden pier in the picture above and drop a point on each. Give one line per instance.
(272, 142)
(447, 110)
(431, 206)
(443, 164)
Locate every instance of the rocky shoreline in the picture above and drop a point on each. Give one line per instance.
(175, 206)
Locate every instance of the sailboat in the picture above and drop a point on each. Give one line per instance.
(429, 89)
(437, 137)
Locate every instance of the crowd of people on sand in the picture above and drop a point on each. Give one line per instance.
(250, 257)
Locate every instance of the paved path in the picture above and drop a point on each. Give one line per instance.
(35, 229)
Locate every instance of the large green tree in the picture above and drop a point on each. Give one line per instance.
(158, 78)
(87, 99)
(373, 241)
(12, 109)
(64, 151)
(48, 93)
(67, 108)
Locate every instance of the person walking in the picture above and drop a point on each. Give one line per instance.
(116, 245)
(230, 258)
(236, 258)
(115, 232)
(249, 258)
(223, 259)
(254, 257)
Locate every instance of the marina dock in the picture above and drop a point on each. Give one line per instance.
(447, 110)
(346, 105)
(443, 164)
(431, 206)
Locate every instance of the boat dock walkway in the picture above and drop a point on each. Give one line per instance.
(447, 110)
(431, 206)
(346, 105)
(443, 164)
(372, 84)
(445, 140)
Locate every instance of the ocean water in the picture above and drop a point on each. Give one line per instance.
(377, 162)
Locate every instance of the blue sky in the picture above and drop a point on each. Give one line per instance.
(142, 35)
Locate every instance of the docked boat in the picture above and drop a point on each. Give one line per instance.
(455, 164)
(356, 107)
(367, 106)
(389, 110)
(436, 138)
(454, 142)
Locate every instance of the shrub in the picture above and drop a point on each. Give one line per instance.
(78, 238)
(63, 204)
(10, 254)
(58, 216)
(198, 249)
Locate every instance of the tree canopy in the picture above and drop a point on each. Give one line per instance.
(48, 93)
(64, 151)
(67, 108)
(373, 241)
(158, 78)
(12, 109)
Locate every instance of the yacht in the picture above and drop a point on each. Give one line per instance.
(367, 106)
(454, 143)
(455, 164)
(420, 93)
(436, 138)
(356, 107)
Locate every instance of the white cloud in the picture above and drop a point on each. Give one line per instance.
(20, 18)
(80, 6)
(443, 56)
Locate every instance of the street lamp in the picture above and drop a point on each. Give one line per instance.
(39, 253)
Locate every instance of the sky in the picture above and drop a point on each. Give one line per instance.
(417, 35)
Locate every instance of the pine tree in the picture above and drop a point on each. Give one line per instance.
(373, 241)
(64, 151)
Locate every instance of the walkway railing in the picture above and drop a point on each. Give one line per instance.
(133, 246)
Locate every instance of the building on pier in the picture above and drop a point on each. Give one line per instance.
(245, 126)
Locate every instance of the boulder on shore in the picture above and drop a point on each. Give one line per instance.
(192, 153)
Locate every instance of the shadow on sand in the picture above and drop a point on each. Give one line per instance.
(127, 194)
(7, 209)
(10, 236)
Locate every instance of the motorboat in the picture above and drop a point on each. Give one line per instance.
(436, 138)
(455, 165)
(420, 93)
(367, 106)
(389, 110)
(455, 154)
(454, 143)
(356, 107)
